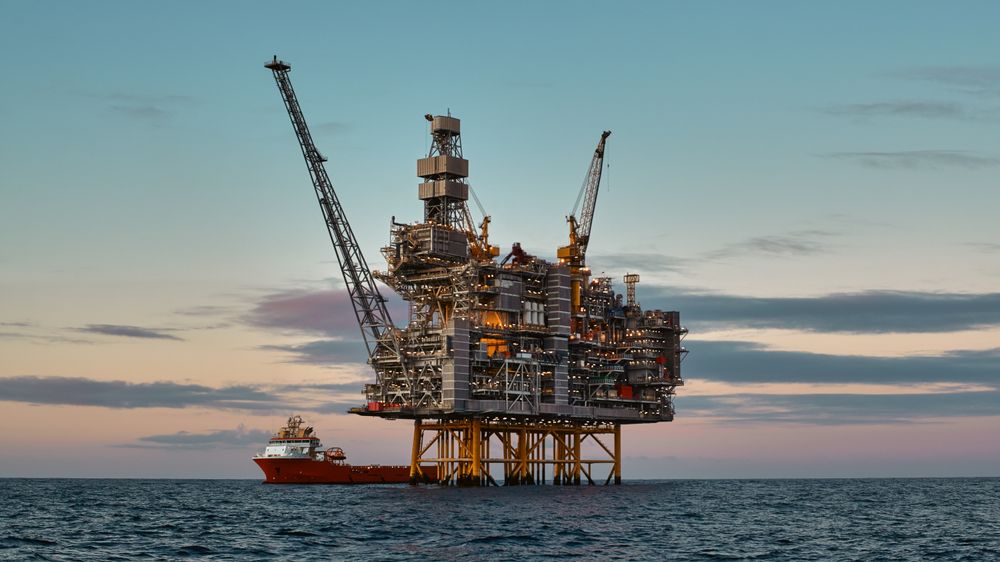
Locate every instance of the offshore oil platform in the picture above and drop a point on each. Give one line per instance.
(521, 365)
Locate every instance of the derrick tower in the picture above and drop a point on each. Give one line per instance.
(445, 190)
(522, 367)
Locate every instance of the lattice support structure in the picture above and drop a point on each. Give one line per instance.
(484, 452)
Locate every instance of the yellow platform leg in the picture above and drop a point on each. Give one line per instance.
(415, 473)
(577, 440)
(475, 436)
(618, 453)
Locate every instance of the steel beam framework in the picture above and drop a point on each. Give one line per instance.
(465, 452)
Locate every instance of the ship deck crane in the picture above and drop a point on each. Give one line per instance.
(574, 253)
(377, 330)
(483, 242)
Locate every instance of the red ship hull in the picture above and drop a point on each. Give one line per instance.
(309, 471)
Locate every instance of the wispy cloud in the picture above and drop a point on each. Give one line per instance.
(128, 331)
(240, 437)
(919, 159)
(205, 310)
(862, 312)
(35, 334)
(11, 335)
(974, 79)
(323, 352)
(152, 109)
(140, 112)
(901, 108)
(528, 84)
(796, 243)
(332, 127)
(988, 247)
(650, 262)
(124, 97)
(333, 387)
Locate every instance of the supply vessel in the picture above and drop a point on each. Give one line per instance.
(295, 455)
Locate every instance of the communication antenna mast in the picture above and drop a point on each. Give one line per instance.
(630, 281)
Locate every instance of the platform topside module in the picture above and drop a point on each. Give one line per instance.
(520, 336)
(518, 340)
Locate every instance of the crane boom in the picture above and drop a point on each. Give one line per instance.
(377, 329)
(591, 183)
(574, 254)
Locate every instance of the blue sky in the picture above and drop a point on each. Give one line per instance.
(808, 179)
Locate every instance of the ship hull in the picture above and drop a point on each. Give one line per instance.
(310, 471)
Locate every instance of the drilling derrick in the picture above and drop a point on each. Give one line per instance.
(445, 191)
(521, 367)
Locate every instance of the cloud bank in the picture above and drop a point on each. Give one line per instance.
(80, 391)
(324, 352)
(746, 362)
(863, 312)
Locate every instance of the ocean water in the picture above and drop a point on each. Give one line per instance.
(876, 519)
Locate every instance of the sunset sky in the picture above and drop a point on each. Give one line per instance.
(814, 186)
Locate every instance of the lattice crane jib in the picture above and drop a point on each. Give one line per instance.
(574, 253)
(591, 184)
(377, 329)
